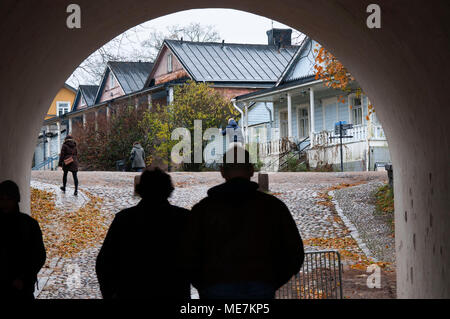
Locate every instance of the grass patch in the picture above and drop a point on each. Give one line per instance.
(384, 203)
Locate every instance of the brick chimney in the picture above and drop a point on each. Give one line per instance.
(279, 37)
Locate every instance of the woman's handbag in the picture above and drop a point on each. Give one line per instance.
(68, 160)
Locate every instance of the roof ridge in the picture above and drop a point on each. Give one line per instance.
(229, 43)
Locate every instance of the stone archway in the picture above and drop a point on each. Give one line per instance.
(401, 66)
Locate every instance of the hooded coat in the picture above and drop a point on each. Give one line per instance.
(234, 131)
(137, 156)
(68, 149)
(239, 234)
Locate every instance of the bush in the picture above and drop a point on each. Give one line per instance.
(384, 202)
(295, 165)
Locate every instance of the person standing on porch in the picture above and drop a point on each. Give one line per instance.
(234, 133)
(137, 157)
(68, 160)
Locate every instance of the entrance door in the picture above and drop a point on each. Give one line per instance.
(303, 123)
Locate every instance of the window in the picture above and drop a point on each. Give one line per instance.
(62, 107)
(356, 111)
(303, 124)
(283, 124)
(112, 82)
(169, 63)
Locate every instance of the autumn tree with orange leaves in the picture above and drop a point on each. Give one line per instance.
(335, 75)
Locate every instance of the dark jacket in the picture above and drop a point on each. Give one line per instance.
(234, 131)
(240, 234)
(68, 149)
(22, 254)
(140, 257)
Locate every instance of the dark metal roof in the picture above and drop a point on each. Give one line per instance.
(131, 75)
(225, 62)
(306, 79)
(69, 87)
(88, 92)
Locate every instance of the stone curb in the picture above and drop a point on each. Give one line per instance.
(354, 232)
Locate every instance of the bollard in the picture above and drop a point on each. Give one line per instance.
(263, 181)
(137, 179)
(390, 174)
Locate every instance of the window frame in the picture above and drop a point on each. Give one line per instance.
(302, 117)
(58, 107)
(353, 110)
(169, 63)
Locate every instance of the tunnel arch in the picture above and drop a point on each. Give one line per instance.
(401, 66)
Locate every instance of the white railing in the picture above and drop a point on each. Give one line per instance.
(273, 147)
(358, 132)
(376, 132)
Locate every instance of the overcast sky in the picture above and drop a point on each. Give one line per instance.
(233, 26)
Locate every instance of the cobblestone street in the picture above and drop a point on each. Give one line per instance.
(306, 195)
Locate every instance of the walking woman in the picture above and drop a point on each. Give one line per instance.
(68, 160)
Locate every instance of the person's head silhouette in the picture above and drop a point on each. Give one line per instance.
(236, 164)
(9, 197)
(155, 184)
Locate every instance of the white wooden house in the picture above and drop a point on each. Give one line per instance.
(302, 110)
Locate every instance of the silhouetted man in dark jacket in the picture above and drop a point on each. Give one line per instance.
(240, 242)
(22, 251)
(140, 257)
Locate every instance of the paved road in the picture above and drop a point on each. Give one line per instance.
(298, 190)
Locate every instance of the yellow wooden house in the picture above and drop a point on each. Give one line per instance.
(63, 101)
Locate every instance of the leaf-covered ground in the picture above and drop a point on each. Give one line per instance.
(67, 233)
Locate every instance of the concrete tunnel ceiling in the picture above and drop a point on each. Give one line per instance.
(402, 67)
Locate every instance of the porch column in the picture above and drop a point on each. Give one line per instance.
(136, 103)
(96, 123)
(47, 151)
(108, 114)
(58, 127)
(246, 122)
(289, 111)
(70, 126)
(311, 116)
(84, 120)
(149, 99)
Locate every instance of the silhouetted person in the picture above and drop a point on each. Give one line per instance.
(22, 251)
(137, 157)
(240, 242)
(140, 257)
(68, 160)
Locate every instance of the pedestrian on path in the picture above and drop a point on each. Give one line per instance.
(240, 242)
(137, 157)
(141, 254)
(68, 160)
(22, 251)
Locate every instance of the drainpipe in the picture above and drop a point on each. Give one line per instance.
(237, 108)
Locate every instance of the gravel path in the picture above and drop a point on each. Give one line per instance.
(357, 205)
(298, 190)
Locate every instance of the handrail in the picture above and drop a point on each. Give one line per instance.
(48, 162)
(296, 147)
